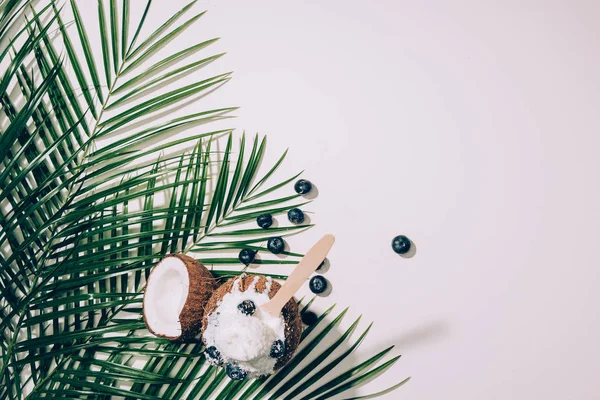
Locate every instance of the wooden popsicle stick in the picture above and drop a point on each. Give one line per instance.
(309, 263)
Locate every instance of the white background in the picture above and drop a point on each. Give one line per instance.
(469, 126)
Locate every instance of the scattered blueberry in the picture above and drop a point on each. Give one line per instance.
(303, 186)
(264, 220)
(275, 245)
(246, 256)
(401, 244)
(277, 349)
(296, 216)
(235, 372)
(318, 284)
(247, 307)
(309, 318)
(213, 355)
(320, 267)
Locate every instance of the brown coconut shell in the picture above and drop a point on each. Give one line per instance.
(202, 285)
(291, 314)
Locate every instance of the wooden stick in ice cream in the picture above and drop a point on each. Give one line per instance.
(311, 261)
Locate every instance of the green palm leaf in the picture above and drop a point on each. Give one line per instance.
(82, 222)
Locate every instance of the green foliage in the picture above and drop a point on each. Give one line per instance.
(82, 222)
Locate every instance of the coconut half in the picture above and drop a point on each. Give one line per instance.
(241, 288)
(176, 292)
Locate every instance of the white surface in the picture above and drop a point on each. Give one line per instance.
(469, 126)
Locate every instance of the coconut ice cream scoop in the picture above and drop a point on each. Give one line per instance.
(176, 292)
(252, 325)
(241, 337)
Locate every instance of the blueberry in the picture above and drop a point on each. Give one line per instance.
(213, 355)
(401, 244)
(236, 373)
(320, 267)
(276, 245)
(318, 284)
(309, 318)
(296, 216)
(303, 186)
(246, 256)
(277, 349)
(264, 220)
(247, 307)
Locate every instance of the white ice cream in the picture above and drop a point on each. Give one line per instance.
(241, 339)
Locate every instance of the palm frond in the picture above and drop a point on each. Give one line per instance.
(83, 221)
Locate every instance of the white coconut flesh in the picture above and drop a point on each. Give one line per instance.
(166, 295)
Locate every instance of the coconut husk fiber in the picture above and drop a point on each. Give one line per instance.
(202, 285)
